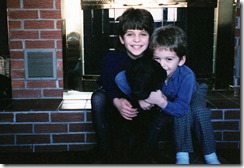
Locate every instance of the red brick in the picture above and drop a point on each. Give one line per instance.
(26, 93)
(60, 73)
(39, 24)
(232, 114)
(15, 24)
(68, 138)
(53, 92)
(15, 128)
(82, 147)
(51, 148)
(88, 116)
(15, 44)
(50, 128)
(217, 114)
(59, 54)
(40, 44)
(24, 34)
(60, 64)
(32, 139)
(17, 64)
(32, 117)
(23, 14)
(226, 125)
(231, 136)
(76, 127)
(6, 139)
(59, 24)
(61, 83)
(18, 83)
(17, 74)
(41, 84)
(58, 4)
(51, 34)
(81, 127)
(6, 117)
(38, 4)
(15, 148)
(17, 54)
(13, 3)
(50, 14)
(59, 44)
(67, 117)
(218, 136)
(91, 137)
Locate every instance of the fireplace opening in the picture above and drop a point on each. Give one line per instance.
(89, 31)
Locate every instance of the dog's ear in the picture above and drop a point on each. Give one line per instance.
(159, 75)
(137, 74)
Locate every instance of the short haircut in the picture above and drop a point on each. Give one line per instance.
(170, 37)
(135, 19)
(144, 75)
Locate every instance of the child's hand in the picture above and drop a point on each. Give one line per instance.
(158, 98)
(145, 105)
(125, 108)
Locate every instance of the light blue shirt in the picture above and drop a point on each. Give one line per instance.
(178, 90)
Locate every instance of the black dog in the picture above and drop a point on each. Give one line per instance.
(144, 75)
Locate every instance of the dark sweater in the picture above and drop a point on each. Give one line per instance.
(113, 63)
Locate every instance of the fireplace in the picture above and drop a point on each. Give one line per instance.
(98, 35)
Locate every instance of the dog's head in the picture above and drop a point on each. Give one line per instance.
(144, 76)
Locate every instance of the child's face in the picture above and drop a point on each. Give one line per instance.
(168, 60)
(135, 42)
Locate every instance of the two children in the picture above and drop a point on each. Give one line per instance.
(180, 96)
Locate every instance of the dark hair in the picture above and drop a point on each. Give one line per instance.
(144, 75)
(171, 37)
(135, 19)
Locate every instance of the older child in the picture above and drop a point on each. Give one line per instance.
(109, 107)
(179, 94)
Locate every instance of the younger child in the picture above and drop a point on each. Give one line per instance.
(179, 93)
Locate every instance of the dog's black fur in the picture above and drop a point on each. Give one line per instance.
(144, 76)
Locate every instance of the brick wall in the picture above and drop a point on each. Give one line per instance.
(227, 126)
(46, 131)
(56, 131)
(35, 25)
